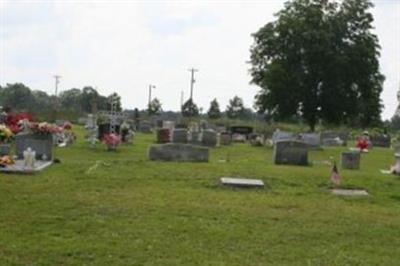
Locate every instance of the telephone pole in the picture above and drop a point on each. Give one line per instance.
(192, 81)
(57, 78)
(150, 87)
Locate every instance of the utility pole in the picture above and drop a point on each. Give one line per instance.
(192, 81)
(57, 78)
(150, 87)
(182, 95)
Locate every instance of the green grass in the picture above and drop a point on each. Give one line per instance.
(131, 211)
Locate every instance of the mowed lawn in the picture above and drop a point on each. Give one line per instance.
(118, 208)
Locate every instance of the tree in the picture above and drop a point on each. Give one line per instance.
(214, 111)
(154, 107)
(319, 58)
(71, 99)
(17, 96)
(235, 109)
(190, 109)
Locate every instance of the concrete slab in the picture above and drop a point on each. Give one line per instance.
(241, 182)
(350, 192)
(18, 167)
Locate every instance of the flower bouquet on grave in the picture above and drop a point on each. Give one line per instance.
(44, 128)
(6, 134)
(112, 141)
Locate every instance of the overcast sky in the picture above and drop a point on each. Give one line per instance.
(124, 46)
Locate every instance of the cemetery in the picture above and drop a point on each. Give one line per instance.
(200, 132)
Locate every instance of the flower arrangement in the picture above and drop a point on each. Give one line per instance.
(44, 128)
(362, 143)
(111, 140)
(67, 125)
(6, 134)
(13, 119)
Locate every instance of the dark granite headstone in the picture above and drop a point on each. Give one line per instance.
(351, 160)
(179, 135)
(242, 130)
(209, 138)
(5, 149)
(41, 144)
(178, 152)
(290, 152)
(163, 135)
(381, 141)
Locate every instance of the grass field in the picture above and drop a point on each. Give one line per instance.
(118, 208)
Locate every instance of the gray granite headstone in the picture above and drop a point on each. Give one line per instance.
(241, 182)
(178, 152)
(290, 152)
(383, 141)
(5, 149)
(41, 144)
(209, 138)
(194, 137)
(282, 135)
(225, 138)
(351, 160)
(330, 138)
(145, 127)
(179, 135)
(313, 140)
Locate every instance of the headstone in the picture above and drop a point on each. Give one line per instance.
(163, 135)
(238, 137)
(5, 149)
(41, 144)
(209, 138)
(169, 124)
(381, 141)
(225, 138)
(330, 138)
(195, 137)
(242, 130)
(313, 140)
(241, 182)
(290, 152)
(179, 135)
(178, 152)
(145, 127)
(282, 135)
(351, 160)
(350, 192)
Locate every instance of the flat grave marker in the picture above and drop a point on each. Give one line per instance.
(241, 182)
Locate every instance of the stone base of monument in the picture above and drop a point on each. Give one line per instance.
(178, 152)
(19, 168)
(241, 182)
(350, 192)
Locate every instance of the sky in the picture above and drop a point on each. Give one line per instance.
(123, 46)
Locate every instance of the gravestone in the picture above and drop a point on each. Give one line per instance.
(282, 135)
(290, 152)
(163, 135)
(350, 192)
(383, 141)
(178, 152)
(238, 137)
(313, 140)
(5, 149)
(241, 182)
(169, 124)
(225, 138)
(195, 137)
(351, 160)
(330, 138)
(145, 127)
(242, 130)
(209, 138)
(41, 144)
(179, 135)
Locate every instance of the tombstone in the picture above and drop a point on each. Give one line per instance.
(163, 135)
(179, 135)
(104, 129)
(351, 160)
(90, 122)
(5, 149)
(241, 182)
(330, 138)
(282, 135)
(209, 138)
(313, 140)
(178, 152)
(145, 127)
(159, 123)
(195, 137)
(242, 130)
(225, 138)
(169, 124)
(383, 141)
(238, 137)
(290, 152)
(41, 144)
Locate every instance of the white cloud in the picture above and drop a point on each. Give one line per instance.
(123, 46)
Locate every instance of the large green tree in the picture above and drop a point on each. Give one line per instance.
(154, 107)
(214, 112)
(235, 109)
(190, 109)
(320, 59)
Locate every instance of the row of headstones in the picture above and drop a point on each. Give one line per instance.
(208, 137)
(296, 153)
(316, 140)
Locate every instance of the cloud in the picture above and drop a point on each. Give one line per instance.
(123, 46)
